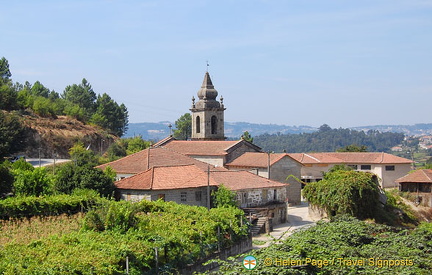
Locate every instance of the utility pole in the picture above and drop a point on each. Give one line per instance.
(40, 161)
(208, 187)
(268, 164)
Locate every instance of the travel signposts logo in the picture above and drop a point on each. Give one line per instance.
(249, 262)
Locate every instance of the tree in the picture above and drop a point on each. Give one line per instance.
(109, 115)
(136, 144)
(81, 95)
(183, 127)
(12, 134)
(353, 148)
(6, 179)
(246, 136)
(5, 73)
(223, 197)
(70, 177)
(81, 156)
(35, 182)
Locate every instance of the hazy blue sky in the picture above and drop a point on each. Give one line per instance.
(344, 63)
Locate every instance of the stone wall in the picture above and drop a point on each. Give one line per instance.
(189, 196)
(284, 168)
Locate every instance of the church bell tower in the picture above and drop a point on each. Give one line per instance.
(207, 113)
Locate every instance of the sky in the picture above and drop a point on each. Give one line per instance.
(293, 62)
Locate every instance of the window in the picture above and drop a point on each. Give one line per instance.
(183, 196)
(161, 197)
(353, 166)
(390, 168)
(365, 167)
(213, 125)
(275, 195)
(198, 124)
(198, 195)
(243, 198)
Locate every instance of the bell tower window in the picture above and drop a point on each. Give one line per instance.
(198, 124)
(213, 125)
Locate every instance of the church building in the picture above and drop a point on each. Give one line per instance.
(207, 113)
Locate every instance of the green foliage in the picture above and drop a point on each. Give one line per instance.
(81, 156)
(136, 144)
(78, 101)
(70, 177)
(126, 146)
(27, 206)
(183, 127)
(112, 231)
(353, 148)
(223, 197)
(329, 140)
(22, 164)
(376, 249)
(246, 136)
(35, 182)
(44, 107)
(6, 179)
(5, 73)
(345, 192)
(12, 135)
(83, 96)
(109, 115)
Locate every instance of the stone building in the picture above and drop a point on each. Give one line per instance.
(207, 113)
(387, 167)
(276, 166)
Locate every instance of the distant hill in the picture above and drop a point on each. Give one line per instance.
(233, 130)
(158, 130)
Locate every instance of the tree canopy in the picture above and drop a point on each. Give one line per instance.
(77, 100)
(330, 140)
(183, 127)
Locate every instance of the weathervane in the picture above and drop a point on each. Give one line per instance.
(207, 65)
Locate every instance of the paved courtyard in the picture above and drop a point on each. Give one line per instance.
(298, 217)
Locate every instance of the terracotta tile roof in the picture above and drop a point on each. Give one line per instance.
(191, 176)
(257, 159)
(203, 147)
(150, 157)
(166, 177)
(352, 157)
(423, 175)
(243, 180)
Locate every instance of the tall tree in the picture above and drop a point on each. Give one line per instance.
(110, 115)
(11, 134)
(183, 127)
(83, 96)
(5, 73)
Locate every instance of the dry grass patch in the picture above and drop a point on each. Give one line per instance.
(24, 231)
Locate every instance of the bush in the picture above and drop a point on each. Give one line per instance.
(345, 192)
(32, 182)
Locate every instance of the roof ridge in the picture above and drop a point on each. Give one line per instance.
(314, 158)
(122, 159)
(427, 176)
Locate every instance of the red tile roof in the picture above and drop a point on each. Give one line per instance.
(202, 147)
(352, 157)
(423, 175)
(190, 176)
(150, 157)
(257, 159)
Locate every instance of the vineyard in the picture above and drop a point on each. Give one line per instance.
(345, 245)
(113, 236)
